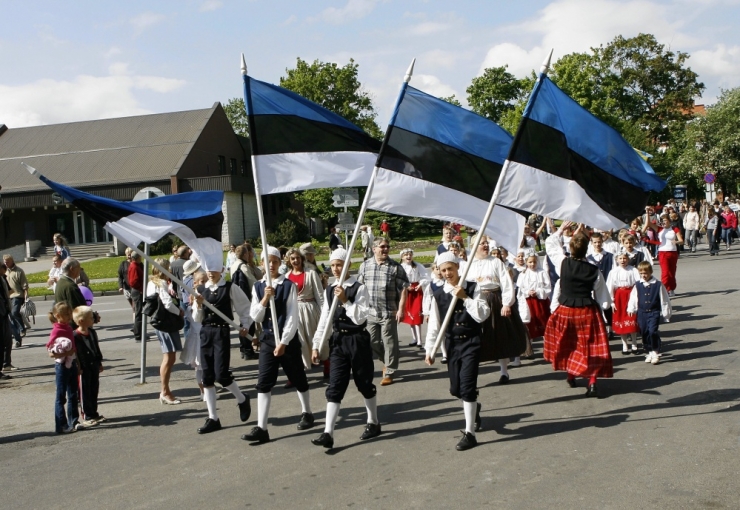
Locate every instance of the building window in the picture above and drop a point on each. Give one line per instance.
(222, 165)
(233, 166)
(244, 167)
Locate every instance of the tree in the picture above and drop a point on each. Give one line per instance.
(237, 114)
(452, 100)
(712, 143)
(336, 88)
(494, 93)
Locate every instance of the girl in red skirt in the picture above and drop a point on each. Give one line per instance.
(575, 337)
(620, 282)
(419, 280)
(533, 291)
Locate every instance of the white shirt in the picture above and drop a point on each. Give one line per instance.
(357, 312)
(475, 306)
(665, 301)
(667, 238)
(537, 280)
(416, 274)
(491, 274)
(622, 277)
(290, 327)
(164, 294)
(239, 303)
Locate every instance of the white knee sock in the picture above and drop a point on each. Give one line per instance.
(209, 395)
(332, 413)
(371, 404)
(263, 409)
(234, 389)
(414, 336)
(199, 377)
(418, 334)
(444, 350)
(624, 342)
(305, 403)
(469, 409)
(503, 363)
(634, 341)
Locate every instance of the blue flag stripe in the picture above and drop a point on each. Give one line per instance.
(590, 137)
(452, 125)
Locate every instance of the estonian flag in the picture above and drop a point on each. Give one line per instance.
(567, 164)
(194, 217)
(442, 161)
(300, 145)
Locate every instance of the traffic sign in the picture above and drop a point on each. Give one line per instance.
(679, 192)
(346, 227)
(346, 218)
(709, 178)
(346, 197)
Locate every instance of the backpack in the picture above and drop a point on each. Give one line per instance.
(240, 280)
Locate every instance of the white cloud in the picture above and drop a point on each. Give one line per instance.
(721, 64)
(291, 19)
(434, 86)
(112, 52)
(441, 58)
(210, 5)
(145, 20)
(83, 98)
(429, 28)
(353, 10)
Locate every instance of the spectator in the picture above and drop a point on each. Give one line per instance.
(136, 282)
(83, 279)
(55, 272)
(18, 285)
(60, 246)
(6, 338)
(334, 240)
(367, 238)
(67, 290)
(691, 225)
(183, 255)
(386, 229)
(729, 225)
(387, 285)
(123, 286)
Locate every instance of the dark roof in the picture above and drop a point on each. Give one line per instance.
(142, 148)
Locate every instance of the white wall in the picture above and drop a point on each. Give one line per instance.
(239, 220)
(18, 252)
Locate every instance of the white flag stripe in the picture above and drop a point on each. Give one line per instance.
(531, 189)
(402, 194)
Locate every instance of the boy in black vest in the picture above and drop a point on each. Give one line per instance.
(350, 350)
(215, 344)
(462, 339)
(605, 262)
(285, 353)
(650, 301)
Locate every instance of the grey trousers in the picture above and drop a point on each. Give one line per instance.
(384, 341)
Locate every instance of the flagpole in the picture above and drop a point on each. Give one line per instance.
(258, 195)
(368, 194)
(486, 218)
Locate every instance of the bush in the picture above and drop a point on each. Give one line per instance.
(403, 228)
(291, 229)
(163, 246)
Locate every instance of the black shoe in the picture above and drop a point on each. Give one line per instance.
(257, 435)
(4, 376)
(243, 355)
(306, 421)
(467, 442)
(324, 440)
(626, 353)
(571, 382)
(504, 379)
(371, 430)
(444, 360)
(210, 426)
(412, 344)
(478, 421)
(252, 355)
(592, 392)
(18, 344)
(245, 408)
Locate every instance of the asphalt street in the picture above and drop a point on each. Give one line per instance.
(664, 436)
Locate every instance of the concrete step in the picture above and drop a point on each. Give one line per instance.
(79, 251)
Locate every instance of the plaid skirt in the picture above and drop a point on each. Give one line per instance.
(503, 337)
(576, 342)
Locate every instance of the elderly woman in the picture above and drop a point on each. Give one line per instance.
(310, 299)
(169, 337)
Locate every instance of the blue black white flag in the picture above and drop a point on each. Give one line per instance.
(442, 161)
(195, 217)
(567, 164)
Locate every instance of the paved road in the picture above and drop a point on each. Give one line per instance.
(664, 436)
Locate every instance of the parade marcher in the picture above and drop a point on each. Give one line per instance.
(90, 362)
(244, 275)
(669, 237)
(387, 285)
(418, 283)
(533, 292)
(310, 299)
(349, 350)
(650, 301)
(635, 253)
(274, 353)
(463, 339)
(136, 283)
(215, 344)
(504, 334)
(18, 285)
(435, 281)
(575, 338)
(447, 238)
(620, 282)
(605, 261)
(190, 354)
(729, 225)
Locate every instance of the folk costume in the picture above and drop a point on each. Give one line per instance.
(575, 337)
(650, 301)
(536, 307)
(215, 346)
(419, 282)
(286, 305)
(310, 299)
(620, 283)
(349, 353)
(463, 339)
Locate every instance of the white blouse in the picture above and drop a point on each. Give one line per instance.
(622, 277)
(667, 238)
(491, 274)
(537, 280)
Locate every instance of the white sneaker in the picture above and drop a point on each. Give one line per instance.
(515, 363)
(649, 357)
(656, 359)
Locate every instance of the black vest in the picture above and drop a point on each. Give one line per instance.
(635, 257)
(341, 322)
(221, 299)
(605, 265)
(577, 279)
(441, 249)
(648, 297)
(461, 325)
(282, 292)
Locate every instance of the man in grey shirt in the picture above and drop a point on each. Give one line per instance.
(387, 286)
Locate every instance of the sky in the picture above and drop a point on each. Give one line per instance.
(84, 60)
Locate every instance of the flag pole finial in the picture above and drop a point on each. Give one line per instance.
(546, 64)
(244, 66)
(31, 170)
(409, 71)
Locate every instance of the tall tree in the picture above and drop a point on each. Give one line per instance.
(237, 115)
(494, 93)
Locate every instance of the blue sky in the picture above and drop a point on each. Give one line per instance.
(82, 60)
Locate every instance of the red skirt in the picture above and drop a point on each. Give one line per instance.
(576, 342)
(622, 323)
(539, 310)
(414, 300)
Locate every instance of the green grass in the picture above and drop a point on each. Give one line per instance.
(95, 287)
(99, 268)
